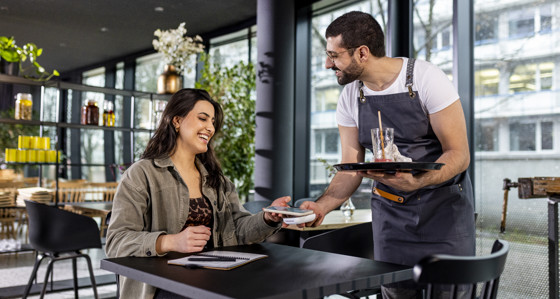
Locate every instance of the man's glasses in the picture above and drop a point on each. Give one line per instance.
(334, 55)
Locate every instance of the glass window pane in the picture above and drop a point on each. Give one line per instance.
(486, 81)
(325, 90)
(486, 137)
(547, 137)
(231, 48)
(516, 97)
(522, 137)
(486, 28)
(432, 25)
(521, 23)
(148, 68)
(140, 142)
(143, 113)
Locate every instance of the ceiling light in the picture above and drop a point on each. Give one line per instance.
(158, 9)
(104, 29)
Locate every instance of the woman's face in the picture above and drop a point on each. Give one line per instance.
(196, 129)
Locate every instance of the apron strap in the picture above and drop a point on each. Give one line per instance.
(409, 75)
(388, 195)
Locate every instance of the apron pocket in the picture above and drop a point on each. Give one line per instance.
(446, 214)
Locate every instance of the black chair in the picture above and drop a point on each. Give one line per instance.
(356, 240)
(53, 233)
(440, 271)
(256, 206)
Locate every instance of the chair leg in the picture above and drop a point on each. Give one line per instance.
(92, 277)
(38, 261)
(75, 276)
(49, 270)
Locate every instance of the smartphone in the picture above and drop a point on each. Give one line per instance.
(288, 211)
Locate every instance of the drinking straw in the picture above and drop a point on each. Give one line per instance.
(381, 135)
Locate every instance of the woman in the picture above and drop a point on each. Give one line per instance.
(176, 197)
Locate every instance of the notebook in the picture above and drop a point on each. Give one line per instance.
(236, 259)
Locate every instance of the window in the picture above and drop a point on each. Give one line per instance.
(547, 136)
(486, 137)
(531, 77)
(326, 142)
(521, 23)
(531, 136)
(522, 137)
(485, 29)
(234, 47)
(545, 24)
(325, 90)
(486, 82)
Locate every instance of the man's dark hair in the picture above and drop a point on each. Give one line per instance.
(357, 29)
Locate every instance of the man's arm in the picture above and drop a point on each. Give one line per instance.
(450, 128)
(344, 183)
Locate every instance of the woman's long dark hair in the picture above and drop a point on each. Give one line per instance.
(163, 142)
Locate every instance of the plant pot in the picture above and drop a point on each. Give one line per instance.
(9, 68)
(170, 81)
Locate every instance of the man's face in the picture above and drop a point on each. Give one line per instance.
(339, 60)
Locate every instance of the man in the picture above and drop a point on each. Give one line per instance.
(416, 99)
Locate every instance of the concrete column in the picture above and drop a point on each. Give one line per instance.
(275, 99)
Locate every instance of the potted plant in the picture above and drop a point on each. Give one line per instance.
(26, 59)
(176, 48)
(234, 88)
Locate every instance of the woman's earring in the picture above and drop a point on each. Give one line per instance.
(176, 129)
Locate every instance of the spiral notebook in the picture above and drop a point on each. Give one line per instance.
(211, 260)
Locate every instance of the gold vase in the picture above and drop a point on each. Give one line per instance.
(169, 82)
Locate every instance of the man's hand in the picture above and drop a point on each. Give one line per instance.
(317, 209)
(403, 181)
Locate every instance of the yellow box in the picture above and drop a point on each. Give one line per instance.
(51, 156)
(41, 156)
(21, 156)
(23, 142)
(35, 142)
(45, 143)
(32, 156)
(11, 155)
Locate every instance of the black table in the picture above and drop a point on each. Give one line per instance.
(287, 272)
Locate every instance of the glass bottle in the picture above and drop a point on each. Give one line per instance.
(348, 208)
(24, 103)
(108, 114)
(90, 113)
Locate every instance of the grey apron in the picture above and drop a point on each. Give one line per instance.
(436, 219)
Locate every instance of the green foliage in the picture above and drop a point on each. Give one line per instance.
(330, 169)
(26, 57)
(233, 88)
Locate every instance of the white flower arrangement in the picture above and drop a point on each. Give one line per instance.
(176, 47)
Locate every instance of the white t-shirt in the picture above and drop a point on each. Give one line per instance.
(434, 89)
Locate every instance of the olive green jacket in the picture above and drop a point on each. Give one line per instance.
(152, 200)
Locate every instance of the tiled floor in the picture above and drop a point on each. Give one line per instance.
(15, 270)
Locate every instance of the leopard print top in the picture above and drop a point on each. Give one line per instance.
(200, 212)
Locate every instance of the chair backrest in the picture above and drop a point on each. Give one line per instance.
(355, 240)
(101, 191)
(453, 271)
(54, 230)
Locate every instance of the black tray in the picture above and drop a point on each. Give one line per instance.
(389, 166)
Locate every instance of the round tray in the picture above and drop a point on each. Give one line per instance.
(389, 166)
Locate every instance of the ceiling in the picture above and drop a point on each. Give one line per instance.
(75, 34)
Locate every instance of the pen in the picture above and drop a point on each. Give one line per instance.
(211, 259)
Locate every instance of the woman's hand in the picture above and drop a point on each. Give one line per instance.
(275, 217)
(191, 239)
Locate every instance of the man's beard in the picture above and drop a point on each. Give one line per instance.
(351, 74)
